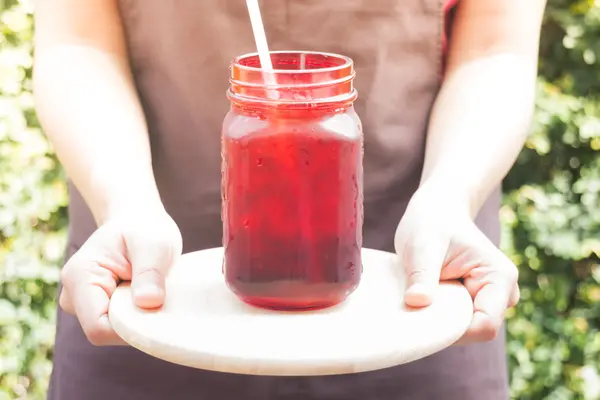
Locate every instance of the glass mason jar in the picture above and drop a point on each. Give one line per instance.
(292, 182)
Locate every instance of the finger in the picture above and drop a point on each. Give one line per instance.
(424, 258)
(65, 302)
(151, 256)
(92, 312)
(492, 280)
(97, 333)
(515, 296)
(86, 293)
(492, 287)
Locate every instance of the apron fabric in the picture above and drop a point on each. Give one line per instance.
(180, 52)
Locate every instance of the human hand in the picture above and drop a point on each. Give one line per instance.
(140, 247)
(437, 240)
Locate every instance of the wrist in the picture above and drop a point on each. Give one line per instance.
(125, 195)
(130, 206)
(453, 193)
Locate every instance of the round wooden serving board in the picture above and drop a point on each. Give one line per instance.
(203, 325)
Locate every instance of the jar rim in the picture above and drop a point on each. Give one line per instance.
(347, 62)
(299, 78)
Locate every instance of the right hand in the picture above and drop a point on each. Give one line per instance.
(139, 247)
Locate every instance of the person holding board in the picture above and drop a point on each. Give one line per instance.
(131, 94)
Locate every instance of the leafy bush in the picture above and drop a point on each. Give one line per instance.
(551, 217)
(32, 219)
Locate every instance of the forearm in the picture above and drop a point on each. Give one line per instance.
(90, 114)
(88, 107)
(478, 126)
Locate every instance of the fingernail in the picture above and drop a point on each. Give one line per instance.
(148, 295)
(418, 295)
(482, 327)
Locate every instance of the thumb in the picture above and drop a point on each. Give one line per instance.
(423, 257)
(151, 255)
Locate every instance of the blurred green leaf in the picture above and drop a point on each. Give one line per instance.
(551, 217)
(33, 202)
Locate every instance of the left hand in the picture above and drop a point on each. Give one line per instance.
(438, 240)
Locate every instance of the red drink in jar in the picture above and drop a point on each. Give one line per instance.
(292, 182)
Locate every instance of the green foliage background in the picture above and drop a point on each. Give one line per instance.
(551, 217)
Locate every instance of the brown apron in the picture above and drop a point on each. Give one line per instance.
(180, 52)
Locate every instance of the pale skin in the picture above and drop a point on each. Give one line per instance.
(477, 128)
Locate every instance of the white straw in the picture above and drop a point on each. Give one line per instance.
(262, 47)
